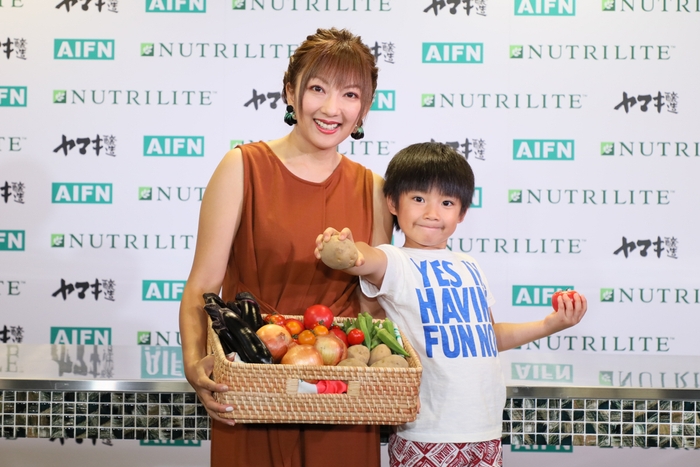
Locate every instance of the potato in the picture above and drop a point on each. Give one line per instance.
(338, 254)
(379, 352)
(351, 362)
(359, 352)
(392, 361)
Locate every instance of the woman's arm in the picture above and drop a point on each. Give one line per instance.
(219, 218)
(383, 222)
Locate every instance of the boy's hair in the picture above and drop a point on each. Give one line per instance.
(427, 166)
(336, 55)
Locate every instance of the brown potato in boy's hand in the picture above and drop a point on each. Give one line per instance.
(337, 254)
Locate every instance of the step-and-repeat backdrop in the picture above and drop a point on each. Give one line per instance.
(580, 119)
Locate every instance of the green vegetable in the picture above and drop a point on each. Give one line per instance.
(391, 342)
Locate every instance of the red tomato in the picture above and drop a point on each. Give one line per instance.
(294, 326)
(318, 314)
(356, 337)
(275, 318)
(555, 297)
(340, 334)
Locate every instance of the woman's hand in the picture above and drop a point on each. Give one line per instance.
(199, 378)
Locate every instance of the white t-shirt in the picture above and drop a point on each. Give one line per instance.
(440, 300)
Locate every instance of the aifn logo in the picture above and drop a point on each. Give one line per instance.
(536, 295)
(163, 291)
(83, 49)
(175, 146)
(452, 52)
(384, 100)
(81, 336)
(176, 6)
(543, 149)
(81, 193)
(13, 96)
(12, 240)
(545, 7)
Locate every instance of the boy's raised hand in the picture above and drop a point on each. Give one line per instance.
(345, 254)
(568, 315)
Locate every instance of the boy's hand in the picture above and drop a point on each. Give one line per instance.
(568, 315)
(325, 237)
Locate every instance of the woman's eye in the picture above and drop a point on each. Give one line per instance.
(353, 95)
(316, 88)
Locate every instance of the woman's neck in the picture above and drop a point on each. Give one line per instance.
(304, 160)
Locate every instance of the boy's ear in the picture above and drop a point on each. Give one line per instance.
(461, 217)
(390, 204)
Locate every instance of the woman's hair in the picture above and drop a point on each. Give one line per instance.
(337, 56)
(428, 166)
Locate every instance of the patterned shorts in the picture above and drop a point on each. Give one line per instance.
(404, 453)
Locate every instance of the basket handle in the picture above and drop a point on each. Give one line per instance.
(293, 387)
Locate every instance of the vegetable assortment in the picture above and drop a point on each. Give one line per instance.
(384, 332)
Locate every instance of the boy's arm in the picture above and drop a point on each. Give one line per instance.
(371, 262)
(511, 335)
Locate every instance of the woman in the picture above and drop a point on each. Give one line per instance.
(262, 205)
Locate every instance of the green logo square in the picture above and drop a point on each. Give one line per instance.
(147, 49)
(59, 96)
(607, 295)
(143, 338)
(515, 196)
(608, 5)
(58, 240)
(239, 4)
(516, 51)
(607, 149)
(236, 142)
(605, 378)
(145, 193)
(427, 100)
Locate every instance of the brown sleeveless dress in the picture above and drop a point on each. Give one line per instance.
(272, 258)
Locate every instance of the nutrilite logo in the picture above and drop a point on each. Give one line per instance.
(590, 52)
(158, 338)
(648, 6)
(81, 336)
(365, 148)
(12, 240)
(384, 100)
(182, 146)
(81, 193)
(554, 372)
(10, 288)
(313, 5)
(502, 101)
(216, 50)
(13, 96)
(131, 97)
(536, 295)
(590, 197)
(545, 7)
(11, 143)
(652, 378)
(650, 295)
(650, 148)
(543, 149)
(112, 241)
(168, 291)
(507, 246)
(83, 49)
(453, 52)
(611, 344)
(158, 362)
(171, 193)
(176, 6)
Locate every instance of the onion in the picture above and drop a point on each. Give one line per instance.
(302, 354)
(331, 348)
(276, 338)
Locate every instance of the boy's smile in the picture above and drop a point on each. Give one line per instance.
(427, 219)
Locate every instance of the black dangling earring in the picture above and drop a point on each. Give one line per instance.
(289, 117)
(359, 133)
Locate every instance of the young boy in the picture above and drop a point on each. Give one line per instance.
(441, 301)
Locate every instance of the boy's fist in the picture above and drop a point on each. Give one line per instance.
(339, 254)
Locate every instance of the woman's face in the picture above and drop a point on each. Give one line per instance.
(329, 113)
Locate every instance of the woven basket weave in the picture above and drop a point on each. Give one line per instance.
(269, 393)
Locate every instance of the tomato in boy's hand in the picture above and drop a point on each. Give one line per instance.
(555, 297)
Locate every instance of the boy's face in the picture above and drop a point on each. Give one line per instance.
(427, 219)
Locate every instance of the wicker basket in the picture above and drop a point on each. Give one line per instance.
(269, 393)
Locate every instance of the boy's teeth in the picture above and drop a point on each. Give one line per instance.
(326, 126)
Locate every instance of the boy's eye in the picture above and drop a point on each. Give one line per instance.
(418, 199)
(448, 203)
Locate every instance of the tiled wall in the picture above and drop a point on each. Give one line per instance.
(179, 416)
